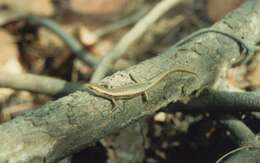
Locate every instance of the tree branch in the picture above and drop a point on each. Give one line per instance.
(222, 101)
(124, 22)
(72, 43)
(130, 37)
(38, 84)
(210, 101)
(240, 133)
(68, 124)
(76, 48)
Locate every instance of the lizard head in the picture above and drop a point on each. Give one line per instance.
(96, 89)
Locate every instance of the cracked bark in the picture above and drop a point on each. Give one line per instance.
(68, 124)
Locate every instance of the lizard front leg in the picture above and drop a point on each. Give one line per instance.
(114, 103)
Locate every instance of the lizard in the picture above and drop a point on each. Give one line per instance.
(133, 90)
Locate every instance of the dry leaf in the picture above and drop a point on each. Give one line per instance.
(236, 76)
(38, 7)
(160, 117)
(8, 60)
(98, 7)
(102, 48)
(87, 37)
(219, 8)
(254, 72)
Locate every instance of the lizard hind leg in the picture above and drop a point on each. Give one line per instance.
(114, 103)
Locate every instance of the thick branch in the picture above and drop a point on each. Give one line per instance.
(210, 101)
(66, 125)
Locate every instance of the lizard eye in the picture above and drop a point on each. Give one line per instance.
(89, 86)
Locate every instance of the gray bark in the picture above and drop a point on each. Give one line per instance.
(68, 124)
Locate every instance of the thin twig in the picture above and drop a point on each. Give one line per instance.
(240, 133)
(129, 38)
(72, 43)
(234, 151)
(121, 23)
(222, 101)
(38, 84)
